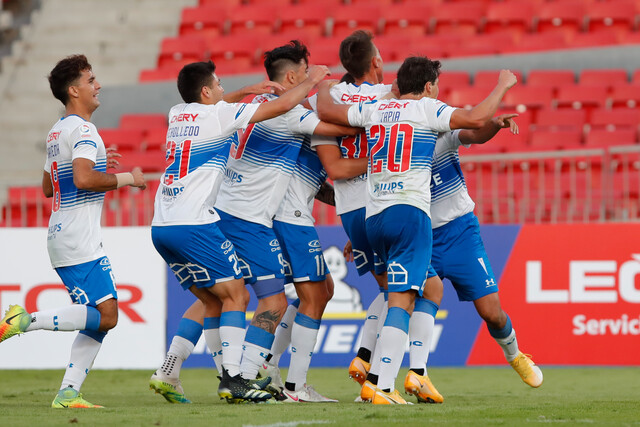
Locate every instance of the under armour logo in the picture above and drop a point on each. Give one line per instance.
(490, 282)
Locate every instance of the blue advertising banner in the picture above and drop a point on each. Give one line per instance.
(457, 324)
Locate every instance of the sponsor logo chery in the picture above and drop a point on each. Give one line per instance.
(573, 295)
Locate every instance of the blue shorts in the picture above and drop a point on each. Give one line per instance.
(364, 256)
(459, 255)
(401, 236)
(304, 261)
(89, 283)
(199, 255)
(258, 248)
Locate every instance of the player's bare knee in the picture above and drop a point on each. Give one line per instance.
(108, 314)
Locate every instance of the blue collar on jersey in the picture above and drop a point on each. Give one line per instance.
(363, 83)
(64, 117)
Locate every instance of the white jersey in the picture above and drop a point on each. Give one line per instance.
(198, 142)
(308, 176)
(402, 136)
(74, 235)
(351, 193)
(261, 163)
(449, 196)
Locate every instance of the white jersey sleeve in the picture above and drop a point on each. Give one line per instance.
(234, 116)
(302, 121)
(83, 140)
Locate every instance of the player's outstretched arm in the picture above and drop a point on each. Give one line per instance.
(326, 194)
(266, 86)
(488, 131)
(330, 129)
(329, 111)
(292, 97)
(338, 167)
(86, 178)
(476, 117)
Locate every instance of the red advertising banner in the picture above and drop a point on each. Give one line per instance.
(573, 295)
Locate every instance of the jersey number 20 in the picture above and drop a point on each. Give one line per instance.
(398, 155)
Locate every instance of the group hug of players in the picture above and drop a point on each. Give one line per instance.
(234, 208)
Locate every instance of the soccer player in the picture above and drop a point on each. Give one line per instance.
(401, 134)
(186, 227)
(255, 180)
(306, 269)
(458, 251)
(362, 82)
(74, 175)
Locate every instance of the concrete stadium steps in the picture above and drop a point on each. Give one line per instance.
(120, 38)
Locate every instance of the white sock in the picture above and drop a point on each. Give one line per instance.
(393, 340)
(375, 358)
(257, 344)
(74, 317)
(303, 339)
(232, 338)
(421, 332)
(216, 352)
(83, 352)
(509, 346)
(370, 327)
(283, 335)
(179, 350)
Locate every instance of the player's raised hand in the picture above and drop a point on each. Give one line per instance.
(507, 79)
(348, 251)
(138, 178)
(266, 86)
(506, 121)
(112, 158)
(318, 72)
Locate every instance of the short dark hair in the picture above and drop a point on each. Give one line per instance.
(66, 72)
(356, 52)
(415, 72)
(347, 78)
(278, 60)
(193, 77)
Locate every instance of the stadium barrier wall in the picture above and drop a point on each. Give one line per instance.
(572, 292)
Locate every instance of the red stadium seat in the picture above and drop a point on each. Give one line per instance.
(551, 78)
(526, 97)
(181, 50)
(410, 19)
(463, 17)
(27, 207)
(581, 96)
(143, 121)
(123, 139)
(616, 118)
(311, 20)
(618, 16)
(168, 72)
(607, 77)
(565, 16)
(625, 95)
(156, 139)
(346, 19)
(555, 140)
(484, 44)
(204, 21)
(512, 16)
(450, 80)
(537, 42)
(467, 97)
(591, 39)
(489, 78)
(599, 138)
(395, 47)
(548, 119)
(325, 55)
(252, 19)
(149, 162)
(235, 52)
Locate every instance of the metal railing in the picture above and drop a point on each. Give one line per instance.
(576, 186)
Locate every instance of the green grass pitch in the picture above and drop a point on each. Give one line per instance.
(473, 397)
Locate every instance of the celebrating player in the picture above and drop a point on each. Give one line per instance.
(74, 175)
(185, 227)
(458, 251)
(401, 134)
